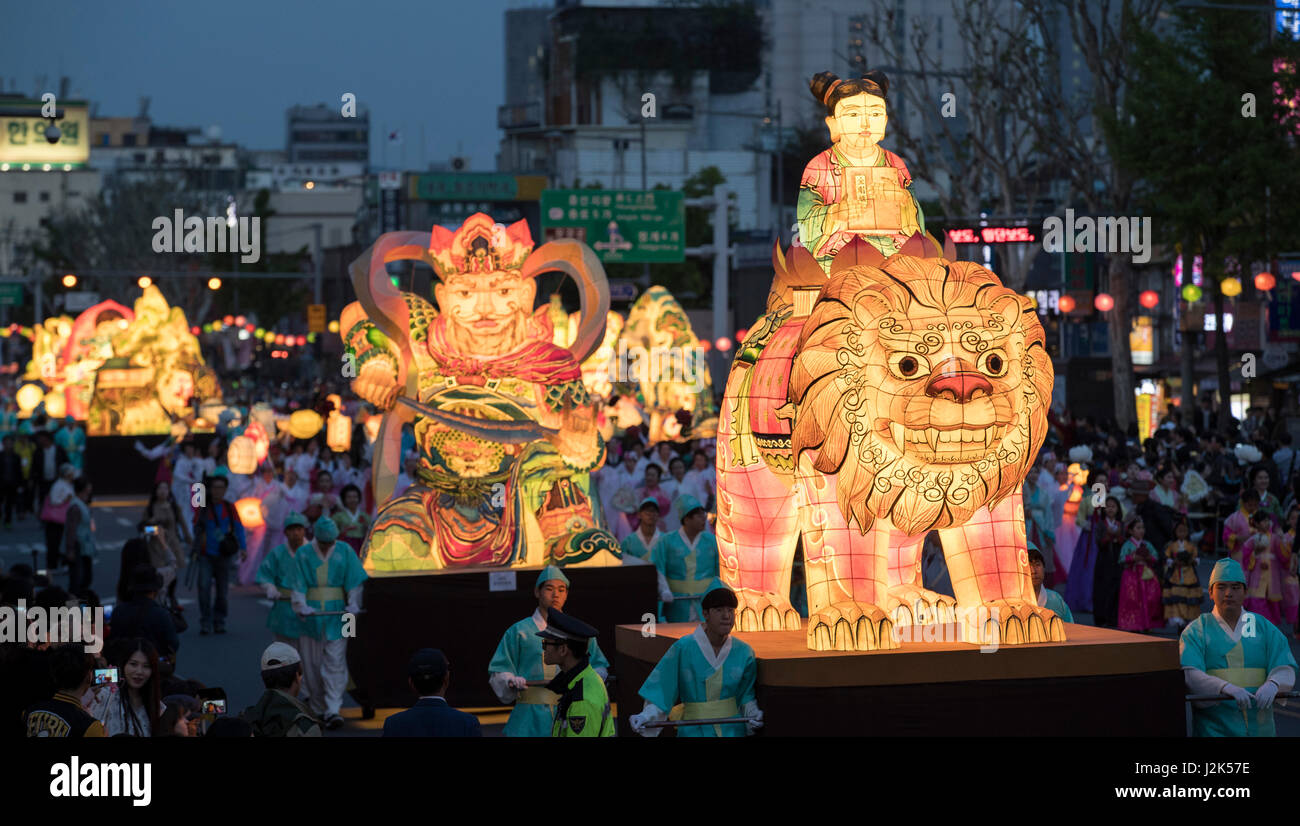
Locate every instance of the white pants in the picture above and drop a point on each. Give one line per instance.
(324, 673)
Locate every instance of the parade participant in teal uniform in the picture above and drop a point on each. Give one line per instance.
(709, 671)
(72, 439)
(1047, 597)
(519, 659)
(330, 577)
(640, 541)
(583, 708)
(1235, 652)
(279, 573)
(687, 559)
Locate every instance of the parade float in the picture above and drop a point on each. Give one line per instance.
(889, 391)
(506, 437)
(125, 373)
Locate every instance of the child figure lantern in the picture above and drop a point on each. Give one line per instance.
(857, 188)
(505, 429)
(889, 391)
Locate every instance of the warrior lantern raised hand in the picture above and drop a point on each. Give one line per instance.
(857, 187)
(505, 429)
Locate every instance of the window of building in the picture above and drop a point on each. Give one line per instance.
(128, 139)
(45, 197)
(20, 197)
(138, 157)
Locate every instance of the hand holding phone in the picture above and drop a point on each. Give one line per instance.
(104, 676)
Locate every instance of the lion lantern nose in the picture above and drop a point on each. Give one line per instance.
(962, 384)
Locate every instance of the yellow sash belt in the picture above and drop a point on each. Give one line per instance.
(688, 587)
(710, 709)
(539, 696)
(325, 594)
(1244, 677)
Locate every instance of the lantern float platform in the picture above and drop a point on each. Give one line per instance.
(1099, 682)
(461, 613)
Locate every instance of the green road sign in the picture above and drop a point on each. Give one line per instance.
(621, 225)
(11, 295)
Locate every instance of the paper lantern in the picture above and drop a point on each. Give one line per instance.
(311, 338)
(303, 424)
(723, 344)
(195, 331)
(56, 404)
(1149, 299)
(261, 442)
(250, 512)
(1192, 293)
(1231, 287)
(239, 320)
(29, 398)
(338, 434)
(241, 456)
(1104, 302)
(706, 345)
(1265, 281)
(901, 459)
(228, 320)
(1066, 304)
(1295, 275)
(279, 338)
(333, 326)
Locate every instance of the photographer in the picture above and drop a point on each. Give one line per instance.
(132, 705)
(218, 540)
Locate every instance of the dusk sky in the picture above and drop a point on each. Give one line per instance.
(240, 64)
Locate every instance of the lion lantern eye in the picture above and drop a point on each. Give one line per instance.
(908, 365)
(992, 363)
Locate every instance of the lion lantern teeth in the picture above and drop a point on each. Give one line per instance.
(899, 433)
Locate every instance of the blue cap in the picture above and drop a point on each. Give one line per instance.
(549, 573)
(326, 530)
(649, 500)
(685, 505)
(295, 518)
(1227, 570)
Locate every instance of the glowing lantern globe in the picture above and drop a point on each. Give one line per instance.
(1192, 293)
(1104, 302)
(56, 404)
(1265, 281)
(241, 456)
(29, 398)
(1149, 299)
(338, 434)
(269, 338)
(303, 424)
(1295, 274)
(1066, 304)
(723, 344)
(250, 512)
(1231, 287)
(261, 442)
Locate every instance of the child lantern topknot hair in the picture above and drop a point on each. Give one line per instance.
(829, 89)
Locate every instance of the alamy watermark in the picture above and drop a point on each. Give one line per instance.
(685, 365)
(56, 626)
(1103, 234)
(176, 233)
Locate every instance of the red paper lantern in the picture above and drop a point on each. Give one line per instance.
(742, 334)
(1149, 299)
(228, 320)
(1066, 304)
(1104, 302)
(1295, 274)
(706, 345)
(279, 339)
(249, 327)
(194, 331)
(239, 320)
(1265, 281)
(723, 344)
(302, 341)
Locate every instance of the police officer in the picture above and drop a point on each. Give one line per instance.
(583, 708)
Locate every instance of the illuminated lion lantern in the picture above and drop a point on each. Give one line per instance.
(894, 397)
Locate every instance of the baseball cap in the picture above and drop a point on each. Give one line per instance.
(278, 654)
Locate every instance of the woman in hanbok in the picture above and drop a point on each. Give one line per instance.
(352, 519)
(1182, 593)
(1167, 493)
(702, 476)
(1140, 607)
(1236, 528)
(265, 489)
(1268, 502)
(1261, 557)
(1290, 579)
(651, 489)
(323, 501)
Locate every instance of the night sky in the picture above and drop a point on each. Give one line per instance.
(240, 64)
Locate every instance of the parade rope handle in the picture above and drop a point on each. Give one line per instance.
(1205, 698)
(713, 721)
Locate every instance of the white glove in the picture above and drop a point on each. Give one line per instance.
(517, 683)
(272, 592)
(637, 722)
(1241, 695)
(352, 608)
(666, 596)
(306, 611)
(1264, 694)
(755, 721)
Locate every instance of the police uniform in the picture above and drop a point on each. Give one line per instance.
(583, 708)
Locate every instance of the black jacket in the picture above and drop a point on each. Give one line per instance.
(432, 717)
(38, 464)
(142, 617)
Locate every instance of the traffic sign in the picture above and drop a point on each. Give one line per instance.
(11, 295)
(315, 318)
(626, 226)
(623, 291)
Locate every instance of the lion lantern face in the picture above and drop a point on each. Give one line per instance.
(932, 379)
(899, 396)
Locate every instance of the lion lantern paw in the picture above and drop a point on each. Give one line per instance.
(911, 605)
(850, 626)
(1011, 622)
(765, 612)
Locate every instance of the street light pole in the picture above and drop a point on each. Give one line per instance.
(645, 267)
